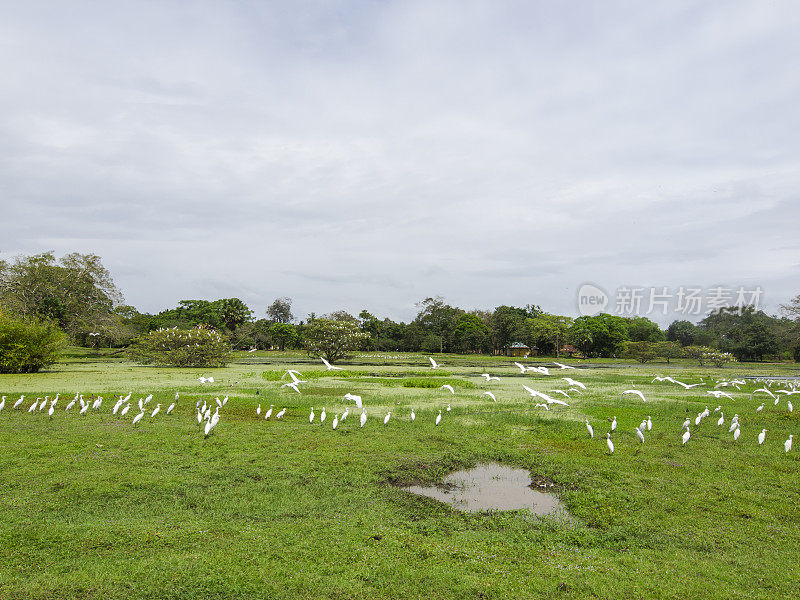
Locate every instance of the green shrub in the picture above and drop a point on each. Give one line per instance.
(198, 347)
(28, 346)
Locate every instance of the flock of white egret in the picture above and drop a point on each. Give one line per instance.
(208, 420)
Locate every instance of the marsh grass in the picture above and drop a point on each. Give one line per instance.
(91, 507)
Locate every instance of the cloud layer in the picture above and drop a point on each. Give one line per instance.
(367, 155)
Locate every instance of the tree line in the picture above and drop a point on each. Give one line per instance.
(76, 295)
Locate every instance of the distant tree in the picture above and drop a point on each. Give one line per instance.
(333, 340)
(198, 347)
(76, 292)
(471, 334)
(641, 351)
(603, 334)
(283, 334)
(341, 315)
(280, 311)
(792, 308)
(699, 353)
(642, 329)
(508, 326)
(438, 319)
(28, 345)
(683, 332)
(548, 332)
(669, 350)
(233, 312)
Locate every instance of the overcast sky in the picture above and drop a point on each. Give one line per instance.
(370, 154)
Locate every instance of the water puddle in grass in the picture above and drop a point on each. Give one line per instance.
(491, 486)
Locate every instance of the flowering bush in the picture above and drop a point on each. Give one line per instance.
(704, 354)
(198, 347)
(332, 340)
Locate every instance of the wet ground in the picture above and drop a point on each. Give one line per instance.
(492, 486)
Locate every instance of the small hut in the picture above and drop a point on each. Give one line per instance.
(517, 349)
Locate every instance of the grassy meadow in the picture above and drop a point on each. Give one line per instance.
(94, 507)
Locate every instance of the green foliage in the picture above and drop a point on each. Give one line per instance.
(198, 347)
(641, 351)
(332, 340)
(683, 332)
(642, 329)
(28, 346)
(225, 313)
(283, 335)
(669, 350)
(601, 335)
(437, 382)
(471, 334)
(280, 311)
(548, 332)
(75, 292)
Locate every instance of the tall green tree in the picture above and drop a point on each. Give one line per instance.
(280, 311)
(333, 340)
(76, 292)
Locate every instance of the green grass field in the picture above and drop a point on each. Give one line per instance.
(93, 507)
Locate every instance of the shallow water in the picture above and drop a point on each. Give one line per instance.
(491, 486)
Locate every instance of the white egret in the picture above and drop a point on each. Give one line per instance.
(18, 402)
(737, 432)
(686, 436)
(439, 417)
(125, 410)
(335, 422)
(609, 443)
(639, 435)
(345, 414)
(3, 403)
(765, 390)
(787, 445)
(719, 394)
(447, 387)
(291, 385)
(363, 418)
(258, 410)
(490, 394)
(574, 382)
(280, 414)
(434, 364)
(541, 405)
(138, 418)
(171, 408)
(52, 410)
(34, 405)
(413, 416)
(155, 411)
(311, 416)
(387, 417)
(589, 429)
(762, 436)
(649, 423)
(268, 414)
(790, 406)
(635, 393)
(490, 377)
(614, 423)
(642, 425)
(354, 398)
(322, 416)
(721, 420)
(448, 407)
(521, 367)
(149, 397)
(562, 392)
(562, 367)
(329, 366)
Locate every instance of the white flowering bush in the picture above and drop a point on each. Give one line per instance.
(718, 358)
(331, 339)
(198, 347)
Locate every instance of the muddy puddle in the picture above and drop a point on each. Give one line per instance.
(492, 486)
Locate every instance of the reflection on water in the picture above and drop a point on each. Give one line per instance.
(491, 487)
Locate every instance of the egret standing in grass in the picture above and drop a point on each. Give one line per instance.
(387, 417)
(639, 434)
(609, 443)
(439, 417)
(686, 435)
(155, 411)
(590, 429)
(311, 416)
(363, 418)
(413, 416)
(787, 445)
(762, 436)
